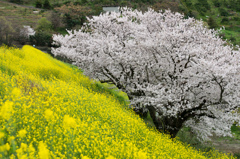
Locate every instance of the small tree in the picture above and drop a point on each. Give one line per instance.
(17, 1)
(175, 68)
(216, 3)
(212, 23)
(6, 31)
(223, 12)
(38, 4)
(56, 20)
(43, 35)
(42, 38)
(46, 4)
(74, 14)
(44, 25)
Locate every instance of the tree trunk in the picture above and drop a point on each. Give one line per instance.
(142, 112)
(165, 124)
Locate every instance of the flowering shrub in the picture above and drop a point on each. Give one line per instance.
(48, 110)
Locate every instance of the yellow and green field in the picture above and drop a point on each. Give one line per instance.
(48, 109)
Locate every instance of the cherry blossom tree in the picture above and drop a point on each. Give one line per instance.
(175, 68)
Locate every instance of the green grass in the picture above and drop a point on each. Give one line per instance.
(236, 131)
(19, 16)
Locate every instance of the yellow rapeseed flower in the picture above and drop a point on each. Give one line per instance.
(24, 147)
(43, 151)
(11, 139)
(85, 157)
(7, 146)
(6, 110)
(22, 133)
(1, 135)
(22, 150)
(48, 114)
(2, 148)
(16, 92)
(69, 122)
(110, 157)
(142, 155)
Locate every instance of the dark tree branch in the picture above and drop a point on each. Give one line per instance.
(188, 60)
(220, 86)
(186, 114)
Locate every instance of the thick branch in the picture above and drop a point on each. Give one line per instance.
(186, 114)
(220, 86)
(188, 60)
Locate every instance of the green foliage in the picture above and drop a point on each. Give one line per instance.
(108, 89)
(17, 1)
(41, 38)
(216, 3)
(44, 25)
(2, 90)
(6, 31)
(47, 5)
(189, 3)
(223, 12)
(38, 4)
(225, 20)
(66, 2)
(236, 131)
(232, 39)
(202, 6)
(237, 155)
(212, 23)
(70, 22)
(186, 136)
(84, 1)
(74, 15)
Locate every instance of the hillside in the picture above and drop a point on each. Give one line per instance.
(216, 14)
(49, 110)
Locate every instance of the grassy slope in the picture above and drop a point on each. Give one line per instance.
(49, 109)
(19, 16)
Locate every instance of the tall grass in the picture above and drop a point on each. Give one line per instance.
(50, 110)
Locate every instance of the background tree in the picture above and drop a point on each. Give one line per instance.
(17, 1)
(56, 20)
(6, 31)
(43, 35)
(74, 14)
(175, 68)
(38, 4)
(212, 23)
(216, 3)
(202, 6)
(165, 4)
(23, 34)
(44, 25)
(46, 4)
(223, 12)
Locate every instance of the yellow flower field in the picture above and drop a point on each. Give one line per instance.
(48, 109)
